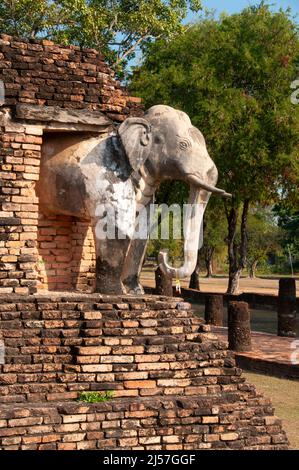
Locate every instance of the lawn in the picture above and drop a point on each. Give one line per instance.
(285, 398)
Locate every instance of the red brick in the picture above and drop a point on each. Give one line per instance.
(140, 384)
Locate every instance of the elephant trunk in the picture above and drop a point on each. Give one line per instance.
(193, 239)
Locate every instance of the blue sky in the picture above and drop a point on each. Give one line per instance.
(233, 6)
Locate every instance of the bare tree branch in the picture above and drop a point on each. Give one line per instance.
(113, 22)
(131, 49)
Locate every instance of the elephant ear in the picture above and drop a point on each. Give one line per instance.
(136, 137)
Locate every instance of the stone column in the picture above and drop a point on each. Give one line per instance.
(286, 308)
(163, 283)
(214, 310)
(239, 333)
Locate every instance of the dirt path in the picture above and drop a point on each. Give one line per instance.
(219, 284)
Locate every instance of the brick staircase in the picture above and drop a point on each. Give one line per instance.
(175, 385)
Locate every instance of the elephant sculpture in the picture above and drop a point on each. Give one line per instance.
(89, 177)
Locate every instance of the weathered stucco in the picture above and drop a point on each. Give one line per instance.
(106, 178)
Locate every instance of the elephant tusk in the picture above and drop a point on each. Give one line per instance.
(193, 239)
(179, 273)
(212, 189)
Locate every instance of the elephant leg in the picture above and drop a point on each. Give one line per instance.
(133, 265)
(110, 259)
(113, 228)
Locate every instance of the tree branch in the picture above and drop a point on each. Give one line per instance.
(131, 49)
(113, 22)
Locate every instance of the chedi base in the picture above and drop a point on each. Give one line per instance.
(175, 386)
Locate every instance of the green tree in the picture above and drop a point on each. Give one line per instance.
(214, 234)
(288, 220)
(28, 18)
(170, 192)
(233, 77)
(115, 27)
(264, 239)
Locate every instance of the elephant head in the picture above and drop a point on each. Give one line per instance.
(165, 145)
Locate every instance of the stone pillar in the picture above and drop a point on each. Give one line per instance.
(163, 283)
(286, 308)
(239, 333)
(214, 310)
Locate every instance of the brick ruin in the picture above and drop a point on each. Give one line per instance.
(49, 89)
(175, 385)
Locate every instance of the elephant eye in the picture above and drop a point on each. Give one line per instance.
(185, 144)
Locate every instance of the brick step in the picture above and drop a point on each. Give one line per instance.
(61, 345)
(59, 340)
(151, 326)
(175, 385)
(32, 351)
(169, 348)
(185, 368)
(40, 349)
(169, 382)
(169, 423)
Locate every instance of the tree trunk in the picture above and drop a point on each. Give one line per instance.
(252, 268)
(194, 279)
(232, 218)
(236, 254)
(209, 261)
(234, 281)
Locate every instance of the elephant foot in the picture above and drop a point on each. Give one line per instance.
(110, 286)
(108, 278)
(138, 290)
(133, 286)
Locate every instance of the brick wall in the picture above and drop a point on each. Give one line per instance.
(38, 251)
(46, 74)
(58, 346)
(66, 254)
(20, 154)
(153, 424)
(175, 384)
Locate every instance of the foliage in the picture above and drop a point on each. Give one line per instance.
(288, 220)
(115, 27)
(176, 192)
(95, 397)
(264, 238)
(232, 76)
(170, 192)
(214, 242)
(28, 18)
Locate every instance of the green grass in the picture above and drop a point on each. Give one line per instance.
(285, 398)
(95, 397)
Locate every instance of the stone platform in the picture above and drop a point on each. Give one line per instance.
(175, 385)
(271, 354)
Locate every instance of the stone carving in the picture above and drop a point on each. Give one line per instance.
(110, 179)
